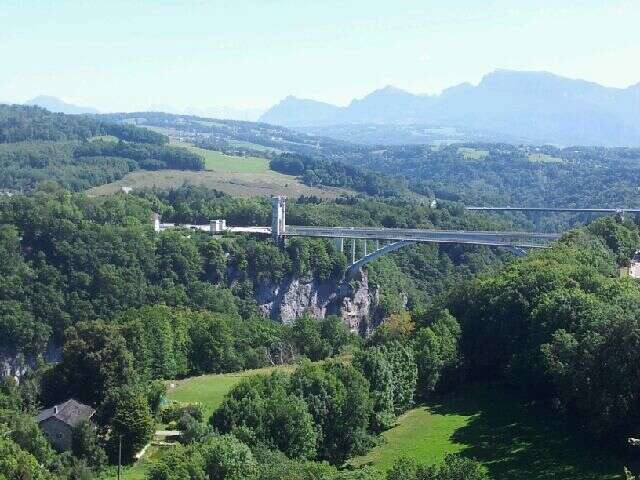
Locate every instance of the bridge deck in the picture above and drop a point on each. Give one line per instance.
(498, 239)
(553, 209)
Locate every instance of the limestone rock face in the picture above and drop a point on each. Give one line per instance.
(354, 301)
(17, 365)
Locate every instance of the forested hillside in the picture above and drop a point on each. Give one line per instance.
(70, 259)
(121, 309)
(78, 151)
(563, 327)
(128, 306)
(478, 173)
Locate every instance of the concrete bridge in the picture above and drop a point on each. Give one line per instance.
(375, 241)
(555, 209)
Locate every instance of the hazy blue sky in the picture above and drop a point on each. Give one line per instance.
(130, 54)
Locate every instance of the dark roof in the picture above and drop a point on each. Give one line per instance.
(70, 412)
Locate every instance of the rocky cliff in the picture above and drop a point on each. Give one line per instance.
(356, 301)
(16, 365)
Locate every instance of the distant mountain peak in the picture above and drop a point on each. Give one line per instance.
(390, 89)
(56, 105)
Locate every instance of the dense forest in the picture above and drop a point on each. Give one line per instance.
(70, 258)
(96, 306)
(78, 151)
(131, 308)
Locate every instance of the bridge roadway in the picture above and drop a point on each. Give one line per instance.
(554, 209)
(494, 239)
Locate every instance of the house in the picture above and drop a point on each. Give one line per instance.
(58, 422)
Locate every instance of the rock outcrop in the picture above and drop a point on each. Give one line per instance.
(17, 365)
(355, 301)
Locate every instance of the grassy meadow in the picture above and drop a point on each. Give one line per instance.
(222, 163)
(544, 158)
(469, 153)
(209, 390)
(514, 441)
(237, 176)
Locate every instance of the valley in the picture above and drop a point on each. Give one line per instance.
(362, 240)
(462, 358)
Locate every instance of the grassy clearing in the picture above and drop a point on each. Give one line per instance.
(209, 390)
(235, 184)
(254, 146)
(138, 471)
(105, 138)
(472, 153)
(219, 162)
(236, 176)
(544, 158)
(513, 441)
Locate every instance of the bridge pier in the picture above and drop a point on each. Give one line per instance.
(278, 219)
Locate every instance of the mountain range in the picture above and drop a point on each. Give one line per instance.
(536, 107)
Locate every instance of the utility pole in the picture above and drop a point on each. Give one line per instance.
(119, 454)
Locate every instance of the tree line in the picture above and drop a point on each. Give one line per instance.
(37, 146)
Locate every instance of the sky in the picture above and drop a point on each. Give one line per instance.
(126, 55)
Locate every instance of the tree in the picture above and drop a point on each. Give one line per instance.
(436, 351)
(404, 373)
(178, 258)
(267, 412)
(17, 463)
(403, 468)
(85, 445)
(396, 327)
(348, 434)
(179, 463)
(289, 426)
(375, 367)
(453, 467)
(212, 343)
(131, 420)
(155, 392)
(226, 458)
(24, 431)
(95, 360)
(334, 330)
(306, 336)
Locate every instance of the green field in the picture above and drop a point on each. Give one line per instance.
(209, 390)
(514, 442)
(105, 138)
(221, 163)
(138, 471)
(544, 158)
(237, 176)
(472, 153)
(254, 146)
